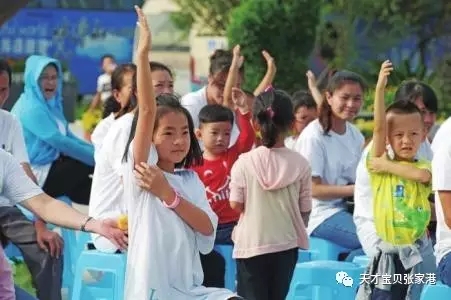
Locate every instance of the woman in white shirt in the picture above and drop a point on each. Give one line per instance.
(121, 102)
(214, 92)
(107, 188)
(333, 146)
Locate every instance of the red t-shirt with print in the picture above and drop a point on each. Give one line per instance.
(215, 174)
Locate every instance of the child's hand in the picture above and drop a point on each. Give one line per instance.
(239, 99)
(385, 71)
(269, 60)
(378, 164)
(144, 38)
(152, 179)
(311, 80)
(238, 59)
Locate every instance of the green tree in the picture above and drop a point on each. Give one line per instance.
(383, 24)
(286, 29)
(210, 17)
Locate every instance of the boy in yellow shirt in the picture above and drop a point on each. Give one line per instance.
(401, 187)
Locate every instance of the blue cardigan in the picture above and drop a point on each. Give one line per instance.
(38, 116)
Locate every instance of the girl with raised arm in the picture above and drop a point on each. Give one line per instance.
(172, 223)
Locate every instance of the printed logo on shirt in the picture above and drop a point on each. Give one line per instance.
(399, 191)
(106, 87)
(222, 193)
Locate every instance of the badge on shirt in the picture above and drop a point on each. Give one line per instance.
(399, 191)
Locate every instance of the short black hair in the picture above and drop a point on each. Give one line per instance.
(221, 61)
(273, 110)
(303, 99)
(403, 107)
(5, 67)
(213, 113)
(105, 56)
(158, 66)
(413, 89)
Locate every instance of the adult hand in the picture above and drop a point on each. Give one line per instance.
(49, 241)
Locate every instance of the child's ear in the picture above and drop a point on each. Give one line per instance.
(116, 95)
(328, 98)
(198, 133)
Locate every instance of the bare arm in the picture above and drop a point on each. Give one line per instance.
(330, 192)
(145, 94)
(313, 88)
(380, 130)
(27, 168)
(39, 223)
(232, 76)
(195, 217)
(408, 172)
(269, 76)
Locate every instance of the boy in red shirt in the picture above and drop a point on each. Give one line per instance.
(216, 123)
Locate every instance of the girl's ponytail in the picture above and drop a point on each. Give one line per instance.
(325, 116)
(273, 111)
(269, 130)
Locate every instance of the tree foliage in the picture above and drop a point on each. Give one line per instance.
(384, 24)
(286, 29)
(209, 17)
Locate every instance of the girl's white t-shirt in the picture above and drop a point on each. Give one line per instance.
(332, 157)
(163, 259)
(194, 102)
(107, 189)
(100, 132)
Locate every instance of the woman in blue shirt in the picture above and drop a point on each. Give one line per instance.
(61, 162)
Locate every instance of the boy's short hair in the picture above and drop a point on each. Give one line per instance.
(214, 113)
(303, 99)
(403, 107)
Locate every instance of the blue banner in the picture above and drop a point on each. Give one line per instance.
(78, 38)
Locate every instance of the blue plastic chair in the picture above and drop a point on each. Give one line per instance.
(11, 250)
(104, 289)
(230, 265)
(436, 291)
(325, 250)
(317, 280)
(304, 256)
(362, 260)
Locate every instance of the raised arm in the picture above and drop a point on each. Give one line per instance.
(380, 130)
(269, 76)
(231, 81)
(146, 97)
(313, 88)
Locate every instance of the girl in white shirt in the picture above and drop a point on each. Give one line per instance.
(110, 140)
(171, 224)
(333, 146)
(123, 100)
